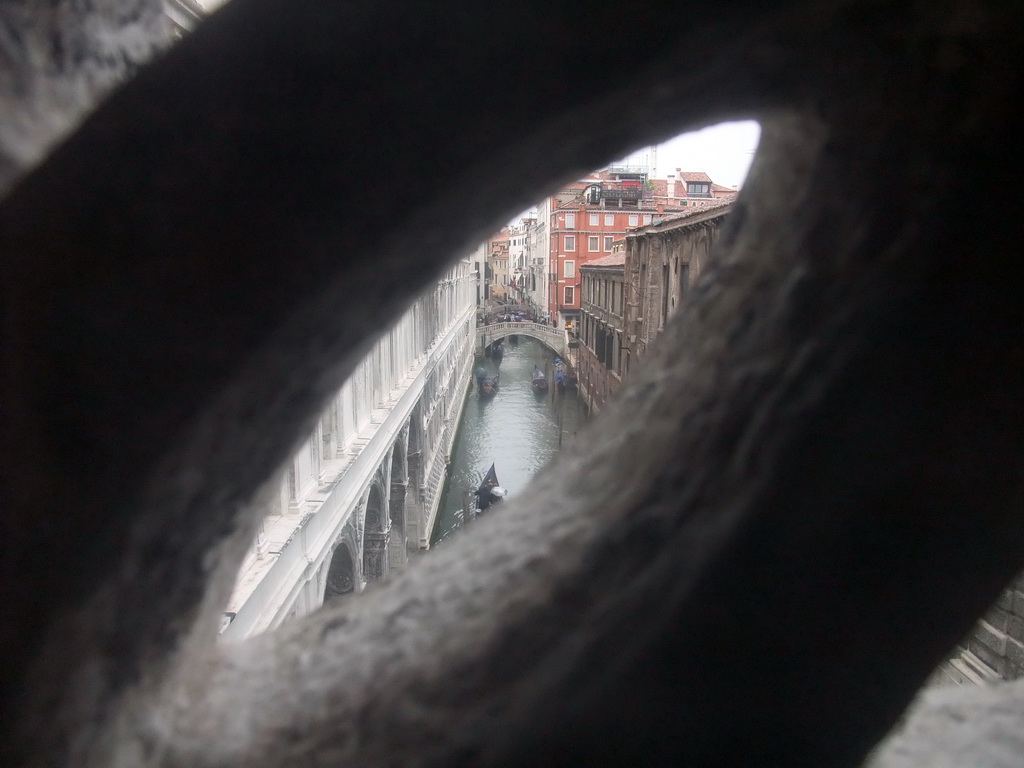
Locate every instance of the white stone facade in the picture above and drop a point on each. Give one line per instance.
(478, 266)
(364, 488)
(537, 262)
(518, 264)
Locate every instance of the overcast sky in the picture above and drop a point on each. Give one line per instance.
(724, 152)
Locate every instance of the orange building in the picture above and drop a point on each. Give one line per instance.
(588, 216)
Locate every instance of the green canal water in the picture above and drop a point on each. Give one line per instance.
(518, 430)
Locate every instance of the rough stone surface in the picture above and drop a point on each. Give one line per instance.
(824, 455)
(957, 728)
(58, 60)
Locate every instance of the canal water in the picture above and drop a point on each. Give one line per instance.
(518, 430)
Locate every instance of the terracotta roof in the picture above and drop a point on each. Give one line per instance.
(661, 185)
(697, 210)
(710, 205)
(693, 176)
(615, 260)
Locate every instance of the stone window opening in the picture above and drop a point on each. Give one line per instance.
(710, 517)
(341, 575)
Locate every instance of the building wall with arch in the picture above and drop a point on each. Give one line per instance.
(362, 490)
(662, 261)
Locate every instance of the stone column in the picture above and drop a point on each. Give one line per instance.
(397, 555)
(375, 546)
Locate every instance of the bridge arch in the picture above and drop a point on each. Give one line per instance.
(341, 570)
(550, 337)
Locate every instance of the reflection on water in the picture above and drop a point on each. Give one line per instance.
(517, 429)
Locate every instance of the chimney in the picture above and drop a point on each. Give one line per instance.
(670, 188)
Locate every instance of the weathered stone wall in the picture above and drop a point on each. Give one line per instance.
(662, 264)
(994, 648)
(59, 60)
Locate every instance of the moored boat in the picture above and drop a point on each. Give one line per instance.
(539, 381)
(488, 385)
(561, 375)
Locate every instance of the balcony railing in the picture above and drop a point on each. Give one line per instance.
(632, 193)
(628, 169)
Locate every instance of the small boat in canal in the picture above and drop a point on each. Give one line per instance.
(498, 352)
(561, 375)
(489, 491)
(562, 380)
(539, 381)
(488, 385)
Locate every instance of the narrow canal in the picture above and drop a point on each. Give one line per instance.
(518, 430)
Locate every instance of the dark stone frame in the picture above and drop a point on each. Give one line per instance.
(828, 438)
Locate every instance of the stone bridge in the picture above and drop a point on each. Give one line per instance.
(554, 338)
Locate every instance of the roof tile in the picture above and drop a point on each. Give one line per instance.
(614, 260)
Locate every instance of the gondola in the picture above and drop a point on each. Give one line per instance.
(498, 352)
(561, 375)
(489, 491)
(488, 385)
(540, 381)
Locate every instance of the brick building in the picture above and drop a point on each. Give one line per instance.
(588, 216)
(688, 189)
(628, 295)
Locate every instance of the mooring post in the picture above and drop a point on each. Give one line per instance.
(467, 514)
